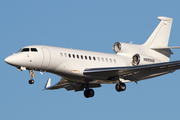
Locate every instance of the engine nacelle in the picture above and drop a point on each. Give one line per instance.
(117, 47)
(134, 51)
(124, 47)
(142, 59)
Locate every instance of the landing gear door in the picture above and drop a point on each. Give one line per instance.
(46, 57)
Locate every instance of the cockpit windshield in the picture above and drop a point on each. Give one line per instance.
(24, 50)
(28, 50)
(33, 50)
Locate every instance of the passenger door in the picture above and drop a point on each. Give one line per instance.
(46, 57)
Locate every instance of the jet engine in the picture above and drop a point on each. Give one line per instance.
(117, 47)
(138, 59)
(123, 47)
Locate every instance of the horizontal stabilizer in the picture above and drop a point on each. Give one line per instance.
(165, 49)
(159, 48)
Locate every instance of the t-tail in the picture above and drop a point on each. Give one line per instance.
(160, 36)
(154, 50)
(159, 39)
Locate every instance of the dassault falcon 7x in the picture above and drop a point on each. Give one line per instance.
(83, 70)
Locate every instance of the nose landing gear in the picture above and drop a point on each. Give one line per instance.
(31, 81)
(32, 75)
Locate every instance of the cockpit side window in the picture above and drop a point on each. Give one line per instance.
(33, 50)
(24, 50)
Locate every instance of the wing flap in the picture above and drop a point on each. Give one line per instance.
(63, 82)
(69, 85)
(135, 73)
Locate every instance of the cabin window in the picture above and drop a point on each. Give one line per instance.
(94, 58)
(65, 54)
(33, 50)
(69, 55)
(86, 57)
(73, 56)
(81, 57)
(102, 59)
(61, 54)
(89, 57)
(114, 61)
(110, 60)
(106, 60)
(98, 59)
(78, 56)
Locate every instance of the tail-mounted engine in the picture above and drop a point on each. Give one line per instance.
(142, 59)
(117, 47)
(134, 52)
(136, 59)
(120, 47)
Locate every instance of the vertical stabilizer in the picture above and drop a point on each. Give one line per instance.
(160, 36)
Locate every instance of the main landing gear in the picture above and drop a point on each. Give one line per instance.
(32, 75)
(88, 92)
(120, 87)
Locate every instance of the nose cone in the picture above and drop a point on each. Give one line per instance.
(12, 60)
(9, 60)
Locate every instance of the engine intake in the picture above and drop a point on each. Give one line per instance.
(117, 47)
(135, 59)
(139, 59)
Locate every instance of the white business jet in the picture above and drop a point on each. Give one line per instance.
(83, 70)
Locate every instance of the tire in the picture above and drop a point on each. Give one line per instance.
(31, 81)
(86, 94)
(123, 86)
(89, 93)
(120, 87)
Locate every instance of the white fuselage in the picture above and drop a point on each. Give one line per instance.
(70, 63)
(63, 61)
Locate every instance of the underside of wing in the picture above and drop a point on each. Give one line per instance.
(134, 73)
(70, 85)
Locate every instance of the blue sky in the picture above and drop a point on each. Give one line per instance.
(88, 25)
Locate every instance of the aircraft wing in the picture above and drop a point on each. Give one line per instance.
(134, 73)
(69, 85)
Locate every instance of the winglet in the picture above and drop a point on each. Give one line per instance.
(48, 84)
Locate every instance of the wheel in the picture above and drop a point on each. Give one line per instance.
(86, 94)
(89, 93)
(123, 86)
(31, 81)
(120, 87)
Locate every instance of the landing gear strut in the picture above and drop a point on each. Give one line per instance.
(32, 75)
(120, 87)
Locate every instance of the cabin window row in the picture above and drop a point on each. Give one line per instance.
(88, 57)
